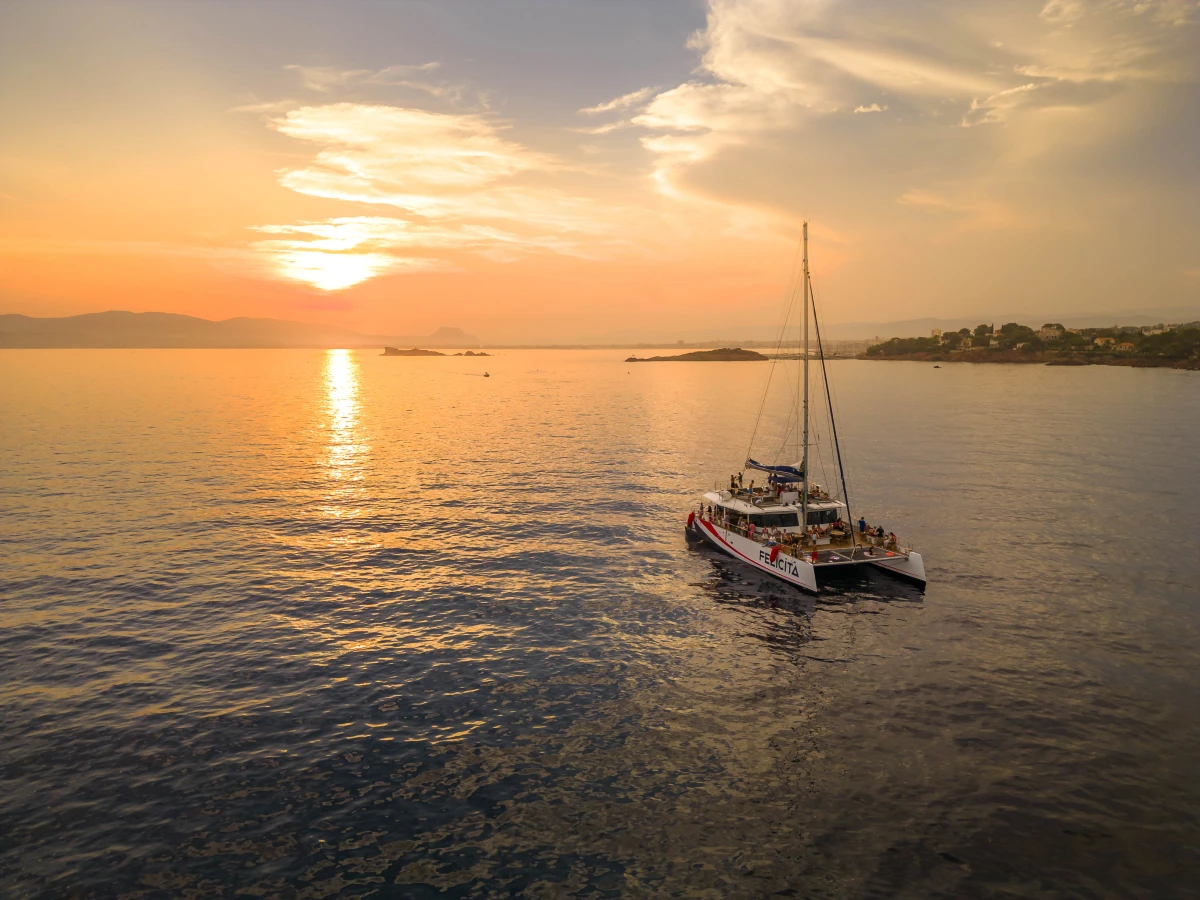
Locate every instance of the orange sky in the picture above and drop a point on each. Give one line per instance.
(580, 173)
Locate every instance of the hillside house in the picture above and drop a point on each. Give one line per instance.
(1104, 341)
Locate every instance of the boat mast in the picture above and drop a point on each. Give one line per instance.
(804, 457)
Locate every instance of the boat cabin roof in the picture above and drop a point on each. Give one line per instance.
(767, 505)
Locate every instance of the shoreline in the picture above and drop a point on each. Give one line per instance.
(1014, 357)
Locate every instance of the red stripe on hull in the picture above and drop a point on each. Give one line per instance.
(710, 531)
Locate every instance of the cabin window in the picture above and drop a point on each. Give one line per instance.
(822, 516)
(780, 520)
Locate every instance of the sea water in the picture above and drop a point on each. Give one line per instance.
(329, 624)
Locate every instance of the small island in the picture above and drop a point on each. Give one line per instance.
(725, 354)
(394, 351)
(473, 353)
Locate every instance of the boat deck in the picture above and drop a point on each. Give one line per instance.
(828, 556)
(837, 548)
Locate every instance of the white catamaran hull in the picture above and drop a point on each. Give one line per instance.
(800, 572)
(788, 568)
(910, 566)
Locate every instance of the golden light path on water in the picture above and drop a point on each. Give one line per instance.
(345, 446)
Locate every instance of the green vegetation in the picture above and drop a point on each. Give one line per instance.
(1180, 343)
(1160, 342)
(901, 346)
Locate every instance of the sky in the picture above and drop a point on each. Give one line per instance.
(581, 171)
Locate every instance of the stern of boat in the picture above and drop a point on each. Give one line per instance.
(911, 566)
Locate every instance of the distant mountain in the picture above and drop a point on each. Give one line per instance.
(155, 329)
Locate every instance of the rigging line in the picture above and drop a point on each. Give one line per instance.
(791, 303)
(832, 422)
(793, 424)
(836, 411)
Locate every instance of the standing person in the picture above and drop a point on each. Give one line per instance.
(750, 529)
(862, 525)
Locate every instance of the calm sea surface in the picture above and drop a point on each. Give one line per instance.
(328, 624)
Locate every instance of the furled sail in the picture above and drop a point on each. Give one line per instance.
(782, 474)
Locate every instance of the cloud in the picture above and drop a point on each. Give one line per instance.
(604, 129)
(326, 79)
(455, 181)
(633, 98)
(968, 212)
(330, 79)
(386, 153)
(1063, 12)
(772, 70)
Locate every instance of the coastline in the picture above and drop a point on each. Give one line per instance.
(1016, 357)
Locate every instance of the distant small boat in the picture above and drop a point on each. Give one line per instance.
(937, 367)
(486, 375)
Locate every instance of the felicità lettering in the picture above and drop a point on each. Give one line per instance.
(783, 563)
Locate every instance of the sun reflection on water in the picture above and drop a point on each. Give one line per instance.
(346, 447)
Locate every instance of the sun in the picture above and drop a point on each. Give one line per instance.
(331, 271)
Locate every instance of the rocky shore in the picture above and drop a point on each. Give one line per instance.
(725, 354)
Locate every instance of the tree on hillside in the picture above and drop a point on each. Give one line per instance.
(1180, 343)
(982, 330)
(901, 346)
(1014, 333)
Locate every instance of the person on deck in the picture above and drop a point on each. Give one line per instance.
(862, 525)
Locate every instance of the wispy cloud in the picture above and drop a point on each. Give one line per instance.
(873, 108)
(458, 183)
(633, 98)
(334, 80)
(968, 212)
(327, 79)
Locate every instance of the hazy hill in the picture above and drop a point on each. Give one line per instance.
(154, 329)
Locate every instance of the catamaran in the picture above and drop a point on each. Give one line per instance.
(762, 526)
